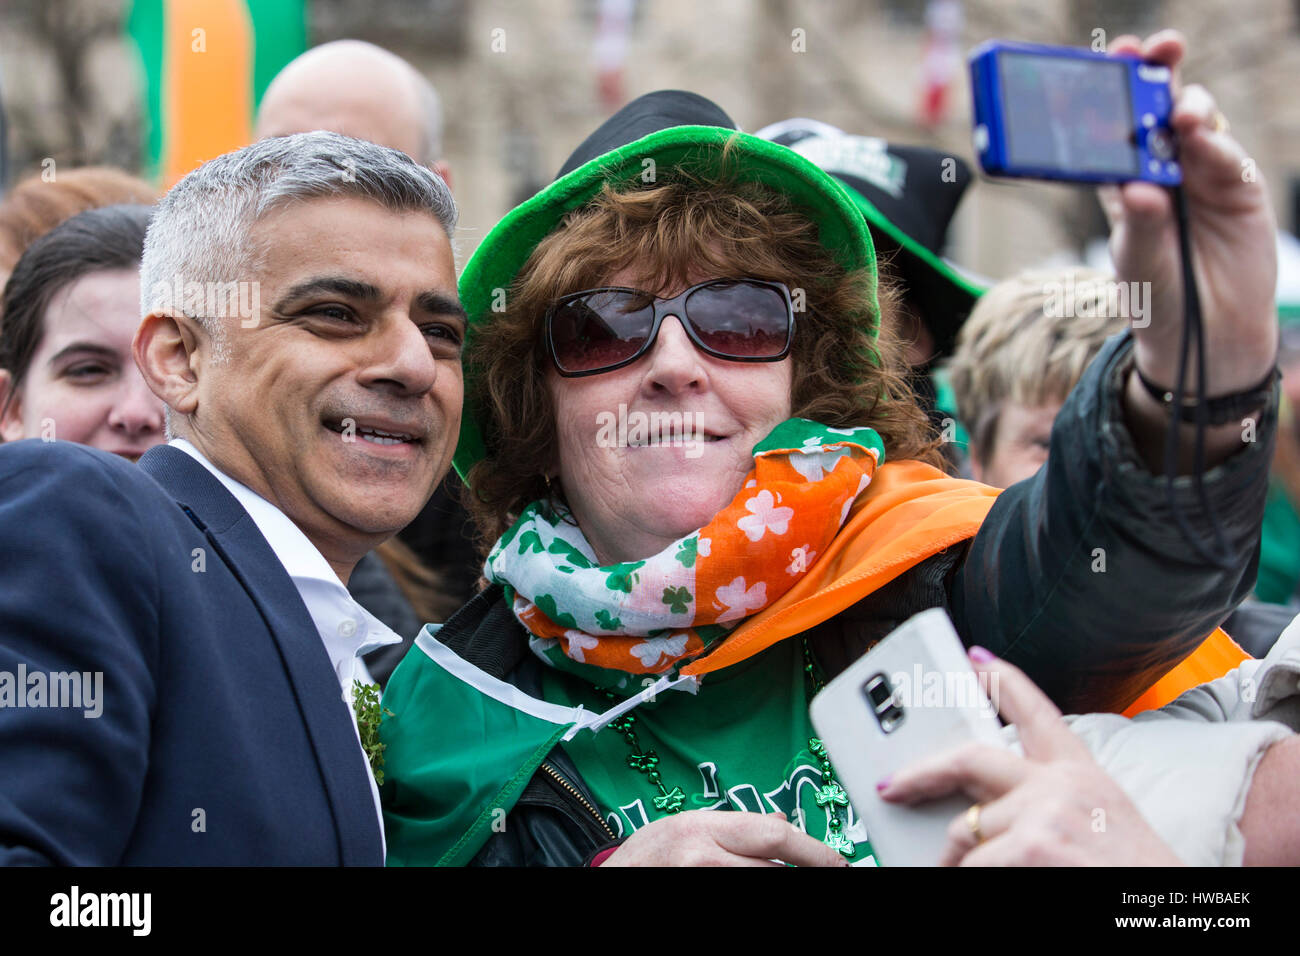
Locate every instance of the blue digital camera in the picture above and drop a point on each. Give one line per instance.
(1047, 112)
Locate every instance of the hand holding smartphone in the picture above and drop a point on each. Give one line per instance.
(911, 696)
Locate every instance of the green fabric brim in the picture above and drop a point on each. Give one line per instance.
(503, 252)
(962, 285)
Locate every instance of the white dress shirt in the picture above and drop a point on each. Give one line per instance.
(346, 629)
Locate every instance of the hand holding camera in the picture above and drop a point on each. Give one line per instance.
(1124, 120)
(1233, 240)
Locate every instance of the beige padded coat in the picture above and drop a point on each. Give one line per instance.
(1188, 766)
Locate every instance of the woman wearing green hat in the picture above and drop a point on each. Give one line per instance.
(707, 490)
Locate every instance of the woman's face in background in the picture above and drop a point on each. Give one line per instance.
(1020, 444)
(82, 384)
(634, 494)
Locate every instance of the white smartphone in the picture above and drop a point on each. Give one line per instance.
(913, 695)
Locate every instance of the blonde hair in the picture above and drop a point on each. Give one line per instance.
(1028, 340)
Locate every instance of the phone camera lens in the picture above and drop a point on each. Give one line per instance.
(878, 692)
(884, 703)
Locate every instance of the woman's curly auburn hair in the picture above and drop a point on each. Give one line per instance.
(691, 224)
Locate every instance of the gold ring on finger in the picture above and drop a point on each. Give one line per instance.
(1219, 122)
(973, 823)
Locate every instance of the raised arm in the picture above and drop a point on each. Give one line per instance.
(1080, 575)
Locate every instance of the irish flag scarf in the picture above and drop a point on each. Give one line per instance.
(651, 616)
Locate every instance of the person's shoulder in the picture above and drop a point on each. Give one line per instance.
(486, 634)
(63, 461)
(480, 624)
(41, 481)
(910, 479)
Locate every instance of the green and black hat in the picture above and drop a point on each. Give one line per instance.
(660, 131)
(908, 195)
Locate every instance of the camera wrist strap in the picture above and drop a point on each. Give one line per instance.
(1220, 555)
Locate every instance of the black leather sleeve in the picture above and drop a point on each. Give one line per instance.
(1080, 574)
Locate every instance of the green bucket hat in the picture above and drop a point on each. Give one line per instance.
(655, 133)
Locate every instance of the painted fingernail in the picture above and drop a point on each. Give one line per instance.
(884, 782)
(979, 655)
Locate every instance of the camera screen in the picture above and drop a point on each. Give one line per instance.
(1068, 114)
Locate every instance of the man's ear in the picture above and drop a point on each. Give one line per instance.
(11, 408)
(443, 170)
(166, 350)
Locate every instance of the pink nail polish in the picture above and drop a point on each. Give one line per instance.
(884, 783)
(979, 655)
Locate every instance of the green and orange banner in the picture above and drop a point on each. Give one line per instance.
(206, 65)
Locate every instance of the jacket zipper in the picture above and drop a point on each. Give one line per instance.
(555, 775)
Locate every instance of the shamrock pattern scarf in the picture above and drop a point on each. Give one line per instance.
(654, 615)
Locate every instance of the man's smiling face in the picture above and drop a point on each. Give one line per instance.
(341, 405)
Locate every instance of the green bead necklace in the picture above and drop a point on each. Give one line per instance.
(829, 795)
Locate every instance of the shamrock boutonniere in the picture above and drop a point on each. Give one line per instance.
(369, 712)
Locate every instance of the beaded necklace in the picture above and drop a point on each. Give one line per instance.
(829, 795)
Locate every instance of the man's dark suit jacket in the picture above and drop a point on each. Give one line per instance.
(223, 738)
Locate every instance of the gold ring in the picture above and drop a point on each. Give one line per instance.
(973, 823)
(1219, 122)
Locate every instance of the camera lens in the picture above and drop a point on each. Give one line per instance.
(1160, 144)
(878, 692)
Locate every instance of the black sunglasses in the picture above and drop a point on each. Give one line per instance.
(599, 330)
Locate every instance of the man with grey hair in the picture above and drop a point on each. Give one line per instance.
(361, 90)
(309, 423)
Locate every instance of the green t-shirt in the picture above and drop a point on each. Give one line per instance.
(740, 743)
